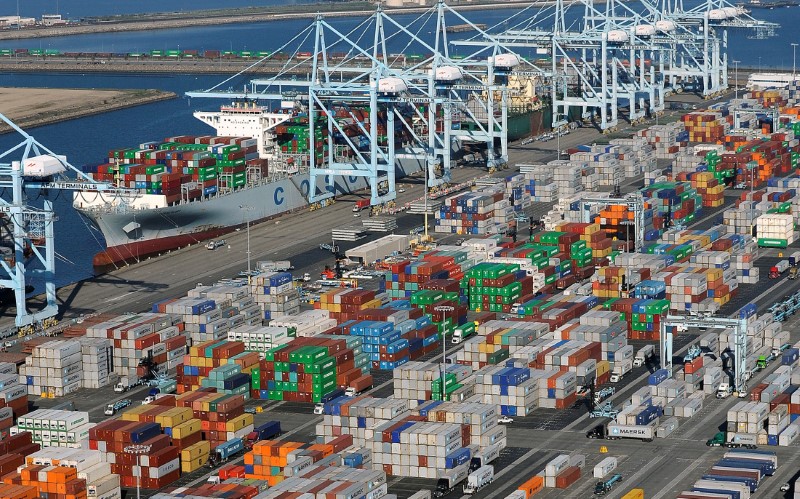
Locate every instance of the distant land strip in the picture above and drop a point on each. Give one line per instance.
(33, 107)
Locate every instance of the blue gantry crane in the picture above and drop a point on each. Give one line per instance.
(31, 165)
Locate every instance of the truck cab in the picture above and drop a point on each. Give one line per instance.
(463, 332)
(319, 409)
(598, 432)
(644, 354)
(724, 390)
(717, 440)
(601, 488)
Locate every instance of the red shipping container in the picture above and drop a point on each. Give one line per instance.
(568, 477)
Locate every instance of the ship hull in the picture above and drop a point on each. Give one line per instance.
(135, 234)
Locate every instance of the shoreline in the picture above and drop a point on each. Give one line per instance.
(127, 99)
(156, 21)
(116, 65)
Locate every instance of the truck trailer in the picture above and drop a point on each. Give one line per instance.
(479, 479)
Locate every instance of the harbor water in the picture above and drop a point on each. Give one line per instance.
(87, 140)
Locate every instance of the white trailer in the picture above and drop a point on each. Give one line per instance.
(479, 479)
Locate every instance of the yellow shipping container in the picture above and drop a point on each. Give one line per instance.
(602, 367)
(174, 417)
(183, 430)
(199, 449)
(238, 423)
(634, 494)
(188, 466)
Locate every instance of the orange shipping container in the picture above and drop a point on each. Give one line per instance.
(532, 486)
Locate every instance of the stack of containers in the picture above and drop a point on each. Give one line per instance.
(666, 139)
(457, 384)
(230, 379)
(604, 159)
(563, 471)
(177, 422)
(222, 418)
(643, 316)
(405, 277)
(54, 369)
(746, 422)
(20, 443)
(486, 349)
(308, 369)
(775, 230)
(344, 304)
(608, 281)
(480, 420)
(445, 320)
(204, 357)
(496, 286)
(539, 183)
(13, 394)
(359, 417)
(641, 158)
(138, 336)
(55, 428)
(595, 238)
(347, 481)
(485, 211)
(112, 437)
(412, 381)
(709, 188)
(568, 177)
(305, 323)
(418, 335)
(73, 473)
(261, 338)
(97, 357)
(275, 294)
(705, 126)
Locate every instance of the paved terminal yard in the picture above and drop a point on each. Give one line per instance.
(662, 468)
(32, 107)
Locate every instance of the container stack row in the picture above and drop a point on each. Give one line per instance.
(139, 336)
(66, 473)
(667, 140)
(120, 441)
(305, 323)
(276, 294)
(203, 358)
(496, 286)
(485, 211)
(344, 304)
(55, 428)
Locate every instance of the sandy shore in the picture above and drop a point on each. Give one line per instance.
(243, 15)
(32, 107)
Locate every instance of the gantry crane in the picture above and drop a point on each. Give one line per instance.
(634, 201)
(739, 327)
(31, 165)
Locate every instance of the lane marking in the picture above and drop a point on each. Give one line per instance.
(666, 489)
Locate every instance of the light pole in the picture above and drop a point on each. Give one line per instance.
(247, 208)
(138, 449)
(444, 309)
(736, 79)
(794, 53)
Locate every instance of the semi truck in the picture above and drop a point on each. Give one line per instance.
(615, 431)
(449, 479)
(225, 451)
(779, 269)
(463, 332)
(484, 457)
(720, 440)
(266, 431)
(644, 355)
(621, 369)
(479, 479)
(125, 383)
(359, 385)
(361, 204)
(274, 266)
(603, 487)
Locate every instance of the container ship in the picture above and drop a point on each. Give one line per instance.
(187, 189)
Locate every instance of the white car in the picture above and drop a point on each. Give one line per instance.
(785, 487)
(505, 419)
(400, 191)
